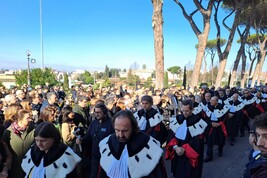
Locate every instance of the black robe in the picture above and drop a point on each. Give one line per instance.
(198, 110)
(96, 132)
(222, 99)
(135, 145)
(216, 136)
(250, 108)
(180, 165)
(51, 159)
(158, 131)
(236, 121)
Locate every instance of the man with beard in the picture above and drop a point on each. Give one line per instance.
(185, 144)
(129, 152)
(259, 169)
(150, 121)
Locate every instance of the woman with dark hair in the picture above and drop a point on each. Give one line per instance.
(68, 128)
(47, 115)
(48, 157)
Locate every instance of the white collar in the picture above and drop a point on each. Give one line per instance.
(148, 156)
(153, 121)
(194, 130)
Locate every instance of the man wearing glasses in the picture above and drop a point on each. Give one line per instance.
(99, 128)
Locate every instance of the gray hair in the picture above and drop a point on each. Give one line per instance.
(50, 94)
(9, 97)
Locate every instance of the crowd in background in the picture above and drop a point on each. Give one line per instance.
(78, 116)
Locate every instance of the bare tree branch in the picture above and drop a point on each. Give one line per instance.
(193, 13)
(224, 24)
(199, 6)
(188, 18)
(218, 36)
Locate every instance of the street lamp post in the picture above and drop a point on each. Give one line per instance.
(94, 77)
(29, 75)
(29, 60)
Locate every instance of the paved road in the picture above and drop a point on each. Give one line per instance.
(231, 165)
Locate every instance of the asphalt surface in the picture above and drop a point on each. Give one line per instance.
(231, 165)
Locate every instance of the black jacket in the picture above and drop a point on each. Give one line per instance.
(96, 132)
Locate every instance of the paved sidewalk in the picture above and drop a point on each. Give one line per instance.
(233, 162)
(231, 165)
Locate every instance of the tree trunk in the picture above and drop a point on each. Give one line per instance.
(219, 77)
(223, 56)
(212, 67)
(243, 71)
(258, 69)
(202, 42)
(234, 71)
(251, 66)
(255, 73)
(240, 53)
(263, 55)
(202, 36)
(233, 76)
(157, 24)
(205, 70)
(265, 81)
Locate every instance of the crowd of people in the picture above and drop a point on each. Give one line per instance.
(121, 132)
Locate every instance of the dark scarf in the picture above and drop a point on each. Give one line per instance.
(17, 129)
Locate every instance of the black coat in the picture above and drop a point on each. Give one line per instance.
(96, 132)
(159, 131)
(215, 134)
(180, 165)
(233, 123)
(251, 108)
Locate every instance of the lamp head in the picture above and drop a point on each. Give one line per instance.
(28, 53)
(33, 60)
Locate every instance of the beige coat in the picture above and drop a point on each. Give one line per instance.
(67, 133)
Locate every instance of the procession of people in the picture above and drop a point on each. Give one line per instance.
(122, 132)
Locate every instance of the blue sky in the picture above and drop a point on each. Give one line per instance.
(91, 34)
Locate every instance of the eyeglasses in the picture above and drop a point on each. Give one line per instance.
(98, 112)
(252, 131)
